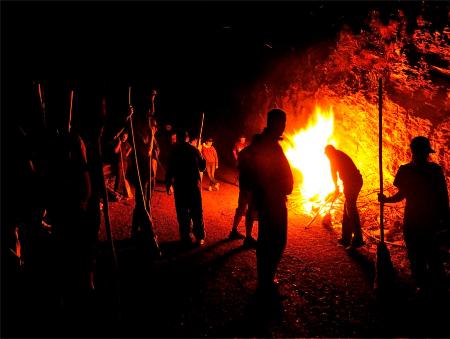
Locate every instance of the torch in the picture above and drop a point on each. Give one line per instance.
(384, 268)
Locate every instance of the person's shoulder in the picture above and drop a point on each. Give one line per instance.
(435, 168)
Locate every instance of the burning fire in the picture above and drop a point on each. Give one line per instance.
(305, 152)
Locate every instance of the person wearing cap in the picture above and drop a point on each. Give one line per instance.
(341, 164)
(212, 163)
(422, 183)
(183, 174)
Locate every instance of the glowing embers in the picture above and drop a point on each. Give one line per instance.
(305, 152)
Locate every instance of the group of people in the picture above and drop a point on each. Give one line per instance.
(69, 169)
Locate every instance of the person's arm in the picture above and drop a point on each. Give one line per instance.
(334, 175)
(235, 153)
(129, 149)
(286, 175)
(397, 197)
(216, 157)
(117, 148)
(86, 178)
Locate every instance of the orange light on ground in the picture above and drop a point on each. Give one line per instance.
(305, 152)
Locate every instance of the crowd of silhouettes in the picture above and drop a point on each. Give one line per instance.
(60, 188)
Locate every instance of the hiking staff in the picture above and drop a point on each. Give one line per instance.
(106, 215)
(42, 104)
(152, 143)
(70, 111)
(199, 142)
(384, 269)
(148, 217)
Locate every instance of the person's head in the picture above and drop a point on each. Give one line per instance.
(209, 142)
(242, 139)
(182, 136)
(276, 122)
(153, 124)
(173, 138)
(421, 148)
(329, 150)
(124, 136)
(193, 141)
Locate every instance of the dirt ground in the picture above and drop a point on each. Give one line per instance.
(210, 291)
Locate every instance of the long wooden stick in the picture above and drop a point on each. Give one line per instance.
(70, 111)
(41, 100)
(201, 131)
(380, 153)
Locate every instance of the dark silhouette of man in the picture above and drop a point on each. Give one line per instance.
(269, 176)
(245, 204)
(183, 173)
(422, 184)
(341, 164)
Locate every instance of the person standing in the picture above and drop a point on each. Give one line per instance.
(341, 164)
(238, 147)
(267, 173)
(245, 205)
(212, 163)
(122, 150)
(422, 183)
(183, 174)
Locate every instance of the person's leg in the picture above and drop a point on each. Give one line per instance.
(346, 230)
(416, 257)
(198, 226)
(240, 211)
(355, 223)
(208, 171)
(183, 217)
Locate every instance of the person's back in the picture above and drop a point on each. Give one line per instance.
(272, 181)
(345, 166)
(185, 162)
(423, 185)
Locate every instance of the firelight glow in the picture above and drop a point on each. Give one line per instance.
(305, 152)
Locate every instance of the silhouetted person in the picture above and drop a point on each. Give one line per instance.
(342, 164)
(212, 163)
(122, 151)
(69, 191)
(422, 184)
(238, 147)
(140, 176)
(245, 203)
(183, 173)
(267, 171)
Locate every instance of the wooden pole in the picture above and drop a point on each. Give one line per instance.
(385, 273)
(70, 111)
(380, 153)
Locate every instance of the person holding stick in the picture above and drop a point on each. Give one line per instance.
(183, 173)
(422, 183)
(342, 164)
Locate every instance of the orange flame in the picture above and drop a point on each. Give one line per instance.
(305, 152)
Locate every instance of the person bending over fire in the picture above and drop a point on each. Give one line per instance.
(422, 184)
(342, 164)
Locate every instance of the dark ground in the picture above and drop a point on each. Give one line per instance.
(209, 291)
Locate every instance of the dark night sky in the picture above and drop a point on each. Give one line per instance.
(200, 55)
(197, 53)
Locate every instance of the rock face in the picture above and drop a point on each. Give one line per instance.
(344, 74)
